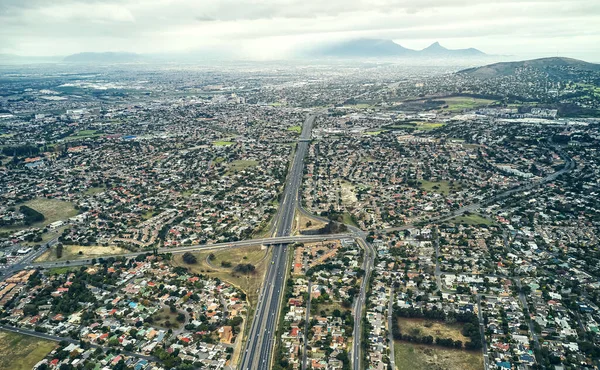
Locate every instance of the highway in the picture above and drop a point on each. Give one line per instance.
(359, 304)
(258, 353)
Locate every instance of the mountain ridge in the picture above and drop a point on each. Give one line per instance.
(550, 65)
(369, 48)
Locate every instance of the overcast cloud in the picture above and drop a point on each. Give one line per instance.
(270, 29)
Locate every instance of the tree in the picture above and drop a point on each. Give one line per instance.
(189, 258)
(59, 250)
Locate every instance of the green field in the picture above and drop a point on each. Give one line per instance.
(94, 190)
(21, 352)
(460, 103)
(84, 134)
(420, 126)
(240, 165)
(166, 319)
(373, 133)
(440, 187)
(347, 219)
(223, 143)
(52, 209)
(297, 129)
(411, 356)
(471, 219)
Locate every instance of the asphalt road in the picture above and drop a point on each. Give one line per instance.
(191, 248)
(26, 261)
(359, 304)
(259, 347)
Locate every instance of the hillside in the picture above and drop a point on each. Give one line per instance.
(556, 67)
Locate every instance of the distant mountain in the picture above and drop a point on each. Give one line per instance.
(107, 57)
(437, 50)
(364, 48)
(373, 48)
(559, 68)
(19, 59)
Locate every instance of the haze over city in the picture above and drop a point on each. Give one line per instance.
(270, 30)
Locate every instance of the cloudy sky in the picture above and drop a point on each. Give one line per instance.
(268, 29)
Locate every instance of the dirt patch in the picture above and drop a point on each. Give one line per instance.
(411, 356)
(72, 252)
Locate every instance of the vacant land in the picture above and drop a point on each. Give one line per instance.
(249, 283)
(223, 143)
(304, 223)
(440, 187)
(95, 190)
(166, 319)
(326, 308)
(460, 103)
(411, 356)
(297, 129)
(52, 209)
(77, 252)
(240, 165)
(423, 327)
(348, 193)
(21, 352)
(373, 133)
(84, 134)
(471, 219)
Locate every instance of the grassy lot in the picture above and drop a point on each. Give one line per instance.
(21, 352)
(428, 126)
(297, 129)
(62, 270)
(373, 133)
(240, 165)
(422, 327)
(71, 252)
(328, 308)
(52, 209)
(248, 283)
(471, 219)
(460, 103)
(347, 219)
(440, 187)
(223, 143)
(166, 319)
(411, 356)
(418, 125)
(301, 220)
(359, 106)
(95, 190)
(83, 134)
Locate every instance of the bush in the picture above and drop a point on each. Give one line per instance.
(245, 268)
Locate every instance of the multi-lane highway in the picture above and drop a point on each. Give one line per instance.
(259, 346)
(359, 303)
